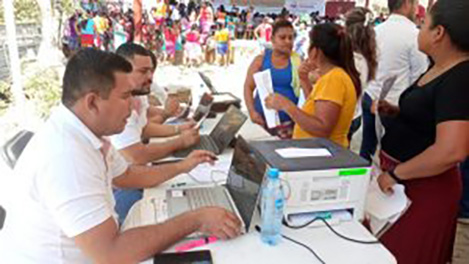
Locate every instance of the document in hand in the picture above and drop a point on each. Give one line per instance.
(264, 87)
(384, 210)
(387, 85)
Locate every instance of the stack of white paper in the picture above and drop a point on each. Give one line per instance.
(384, 210)
(264, 87)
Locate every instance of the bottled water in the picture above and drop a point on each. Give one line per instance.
(272, 203)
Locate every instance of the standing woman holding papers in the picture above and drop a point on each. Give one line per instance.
(428, 140)
(329, 108)
(283, 65)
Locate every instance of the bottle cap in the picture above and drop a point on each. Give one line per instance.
(273, 173)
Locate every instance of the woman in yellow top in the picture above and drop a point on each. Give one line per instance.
(329, 108)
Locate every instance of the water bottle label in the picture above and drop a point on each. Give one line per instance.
(279, 203)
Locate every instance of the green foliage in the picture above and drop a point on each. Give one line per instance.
(26, 11)
(44, 89)
(6, 96)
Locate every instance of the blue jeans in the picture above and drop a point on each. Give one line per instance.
(464, 213)
(125, 198)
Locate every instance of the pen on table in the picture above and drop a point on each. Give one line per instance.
(196, 243)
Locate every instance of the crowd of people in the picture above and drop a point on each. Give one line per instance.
(80, 178)
(191, 34)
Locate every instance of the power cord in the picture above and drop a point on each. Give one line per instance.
(332, 229)
(258, 229)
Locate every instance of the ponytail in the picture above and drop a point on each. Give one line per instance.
(336, 45)
(361, 31)
(347, 62)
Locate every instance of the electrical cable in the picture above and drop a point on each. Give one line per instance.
(258, 229)
(333, 231)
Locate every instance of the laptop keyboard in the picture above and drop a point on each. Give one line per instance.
(200, 197)
(203, 197)
(207, 144)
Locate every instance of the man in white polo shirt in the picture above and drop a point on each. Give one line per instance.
(398, 55)
(63, 180)
(140, 126)
(129, 141)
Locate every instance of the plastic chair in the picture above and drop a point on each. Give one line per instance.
(12, 149)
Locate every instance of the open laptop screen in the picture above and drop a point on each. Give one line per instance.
(245, 179)
(227, 127)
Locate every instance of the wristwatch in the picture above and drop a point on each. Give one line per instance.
(394, 176)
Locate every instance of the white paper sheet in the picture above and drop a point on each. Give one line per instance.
(206, 173)
(264, 87)
(384, 210)
(289, 153)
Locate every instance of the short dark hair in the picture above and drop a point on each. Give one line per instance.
(91, 70)
(394, 5)
(129, 50)
(281, 23)
(451, 14)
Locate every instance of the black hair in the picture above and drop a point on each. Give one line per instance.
(336, 45)
(394, 5)
(281, 23)
(362, 34)
(91, 70)
(451, 15)
(129, 50)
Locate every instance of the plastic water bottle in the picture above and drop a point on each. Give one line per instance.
(272, 203)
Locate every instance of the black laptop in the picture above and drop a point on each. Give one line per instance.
(221, 136)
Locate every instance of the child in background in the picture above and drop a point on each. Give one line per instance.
(210, 48)
(222, 36)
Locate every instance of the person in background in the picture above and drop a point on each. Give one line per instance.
(328, 110)
(283, 65)
(205, 18)
(399, 56)
(301, 40)
(64, 210)
(222, 37)
(210, 48)
(263, 33)
(192, 47)
(88, 31)
(171, 36)
(360, 29)
(221, 15)
(428, 138)
(161, 12)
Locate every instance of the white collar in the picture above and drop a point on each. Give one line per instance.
(71, 119)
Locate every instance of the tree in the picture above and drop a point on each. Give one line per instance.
(52, 15)
(26, 11)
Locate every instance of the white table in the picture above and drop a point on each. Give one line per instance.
(249, 249)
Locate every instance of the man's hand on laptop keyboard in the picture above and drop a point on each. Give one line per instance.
(189, 137)
(187, 125)
(219, 222)
(197, 157)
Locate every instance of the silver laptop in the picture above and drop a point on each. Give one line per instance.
(221, 136)
(240, 194)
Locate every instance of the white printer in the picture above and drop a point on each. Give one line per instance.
(320, 178)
